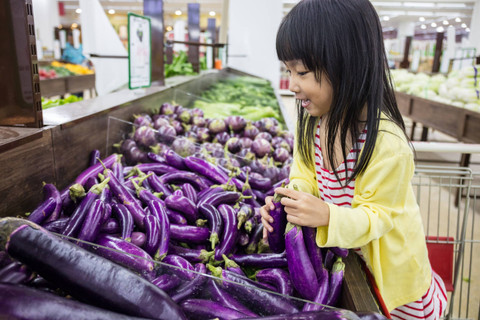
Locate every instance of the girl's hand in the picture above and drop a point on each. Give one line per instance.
(266, 217)
(304, 209)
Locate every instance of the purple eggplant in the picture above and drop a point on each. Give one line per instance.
(184, 177)
(94, 157)
(261, 147)
(92, 223)
(167, 282)
(261, 260)
(56, 226)
(206, 169)
(192, 255)
(301, 270)
(145, 136)
(94, 170)
(138, 238)
(78, 216)
(183, 204)
(250, 224)
(208, 191)
(175, 217)
(215, 222)
(15, 273)
(173, 159)
(50, 191)
(218, 294)
(226, 197)
(158, 210)
(250, 131)
(189, 234)
(43, 211)
(23, 302)
(329, 257)
(243, 238)
(336, 280)
(246, 290)
(217, 125)
(156, 158)
(207, 309)
(243, 214)
(126, 198)
(321, 297)
(230, 232)
(190, 192)
(125, 220)
(340, 252)
(314, 251)
(181, 266)
(157, 185)
(231, 265)
(124, 253)
(276, 238)
(152, 232)
(183, 147)
(255, 237)
(157, 168)
(166, 134)
(191, 288)
(111, 226)
(84, 275)
(277, 277)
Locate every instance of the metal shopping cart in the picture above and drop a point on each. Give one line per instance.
(452, 241)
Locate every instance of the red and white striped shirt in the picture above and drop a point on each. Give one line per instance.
(334, 191)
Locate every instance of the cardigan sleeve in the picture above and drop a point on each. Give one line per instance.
(379, 196)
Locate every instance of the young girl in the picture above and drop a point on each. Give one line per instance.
(352, 162)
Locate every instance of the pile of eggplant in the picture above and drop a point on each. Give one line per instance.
(161, 234)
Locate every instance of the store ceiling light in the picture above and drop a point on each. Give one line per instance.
(419, 4)
(467, 29)
(433, 25)
(421, 19)
(457, 19)
(445, 22)
(178, 12)
(386, 18)
(212, 13)
(464, 25)
(423, 27)
(111, 11)
(440, 29)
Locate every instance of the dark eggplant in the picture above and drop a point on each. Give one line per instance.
(84, 275)
(218, 294)
(158, 186)
(276, 238)
(207, 309)
(158, 210)
(279, 278)
(255, 237)
(181, 266)
(156, 157)
(43, 211)
(191, 288)
(125, 220)
(167, 282)
(157, 168)
(230, 232)
(50, 191)
(22, 302)
(246, 290)
(192, 255)
(56, 226)
(215, 222)
(314, 251)
(152, 232)
(174, 159)
(231, 265)
(301, 270)
(336, 280)
(111, 226)
(94, 170)
(325, 314)
(340, 252)
(138, 238)
(92, 222)
(206, 169)
(261, 260)
(184, 205)
(94, 157)
(190, 192)
(226, 197)
(16, 273)
(321, 298)
(183, 176)
(189, 234)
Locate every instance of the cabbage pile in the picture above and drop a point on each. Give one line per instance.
(461, 88)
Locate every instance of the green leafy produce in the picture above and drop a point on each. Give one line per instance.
(250, 97)
(50, 103)
(181, 66)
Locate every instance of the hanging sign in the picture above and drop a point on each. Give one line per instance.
(139, 51)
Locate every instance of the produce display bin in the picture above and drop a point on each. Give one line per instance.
(67, 85)
(65, 145)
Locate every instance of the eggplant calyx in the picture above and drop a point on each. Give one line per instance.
(97, 188)
(216, 271)
(229, 263)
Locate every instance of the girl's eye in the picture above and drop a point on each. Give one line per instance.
(302, 73)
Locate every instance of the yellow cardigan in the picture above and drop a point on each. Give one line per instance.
(384, 220)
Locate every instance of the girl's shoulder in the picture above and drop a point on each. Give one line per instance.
(391, 138)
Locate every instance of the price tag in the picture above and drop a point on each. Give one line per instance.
(139, 51)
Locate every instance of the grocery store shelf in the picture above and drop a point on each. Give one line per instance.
(63, 85)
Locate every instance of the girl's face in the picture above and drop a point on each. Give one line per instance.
(316, 97)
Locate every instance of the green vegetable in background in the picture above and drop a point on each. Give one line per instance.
(50, 103)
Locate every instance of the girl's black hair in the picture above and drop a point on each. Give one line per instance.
(342, 39)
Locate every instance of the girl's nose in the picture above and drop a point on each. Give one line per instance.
(292, 85)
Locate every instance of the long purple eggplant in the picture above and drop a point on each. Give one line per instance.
(231, 265)
(78, 216)
(94, 170)
(125, 220)
(190, 192)
(138, 238)
(111, 226)
(206, 169)
(314, 251)
(16, 273)
(184, 176)
(207, 192)
(207, 309)
(157, 168)
(321, 298)
(184, 205)
(336, 280)
(279, 278)
(218, 294)
(255, 237)
(50, 191)
(189, 234)
(181, 266)
(22, 302)
(152, 231)
(157, 185)
(82, 274)
(124, 253)
(243, 214)
(92, 223)
(43, 211)
(158, 210)
(215, 222)
(191, 288)
(247, 290)
(226, 197)
(56, 226)
(276, 238)
(261, 260)
(174, 159)
(230, 232)
(325, 314)
(301, 270)
(192, 255)
(126, 198)
(167, 282)
(175, 217)
(340, 252)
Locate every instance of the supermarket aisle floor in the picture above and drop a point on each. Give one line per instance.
(441, 204)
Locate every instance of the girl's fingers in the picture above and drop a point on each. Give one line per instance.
(287, 202)
(288, 192)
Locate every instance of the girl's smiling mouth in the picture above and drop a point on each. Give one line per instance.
(305, 103)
